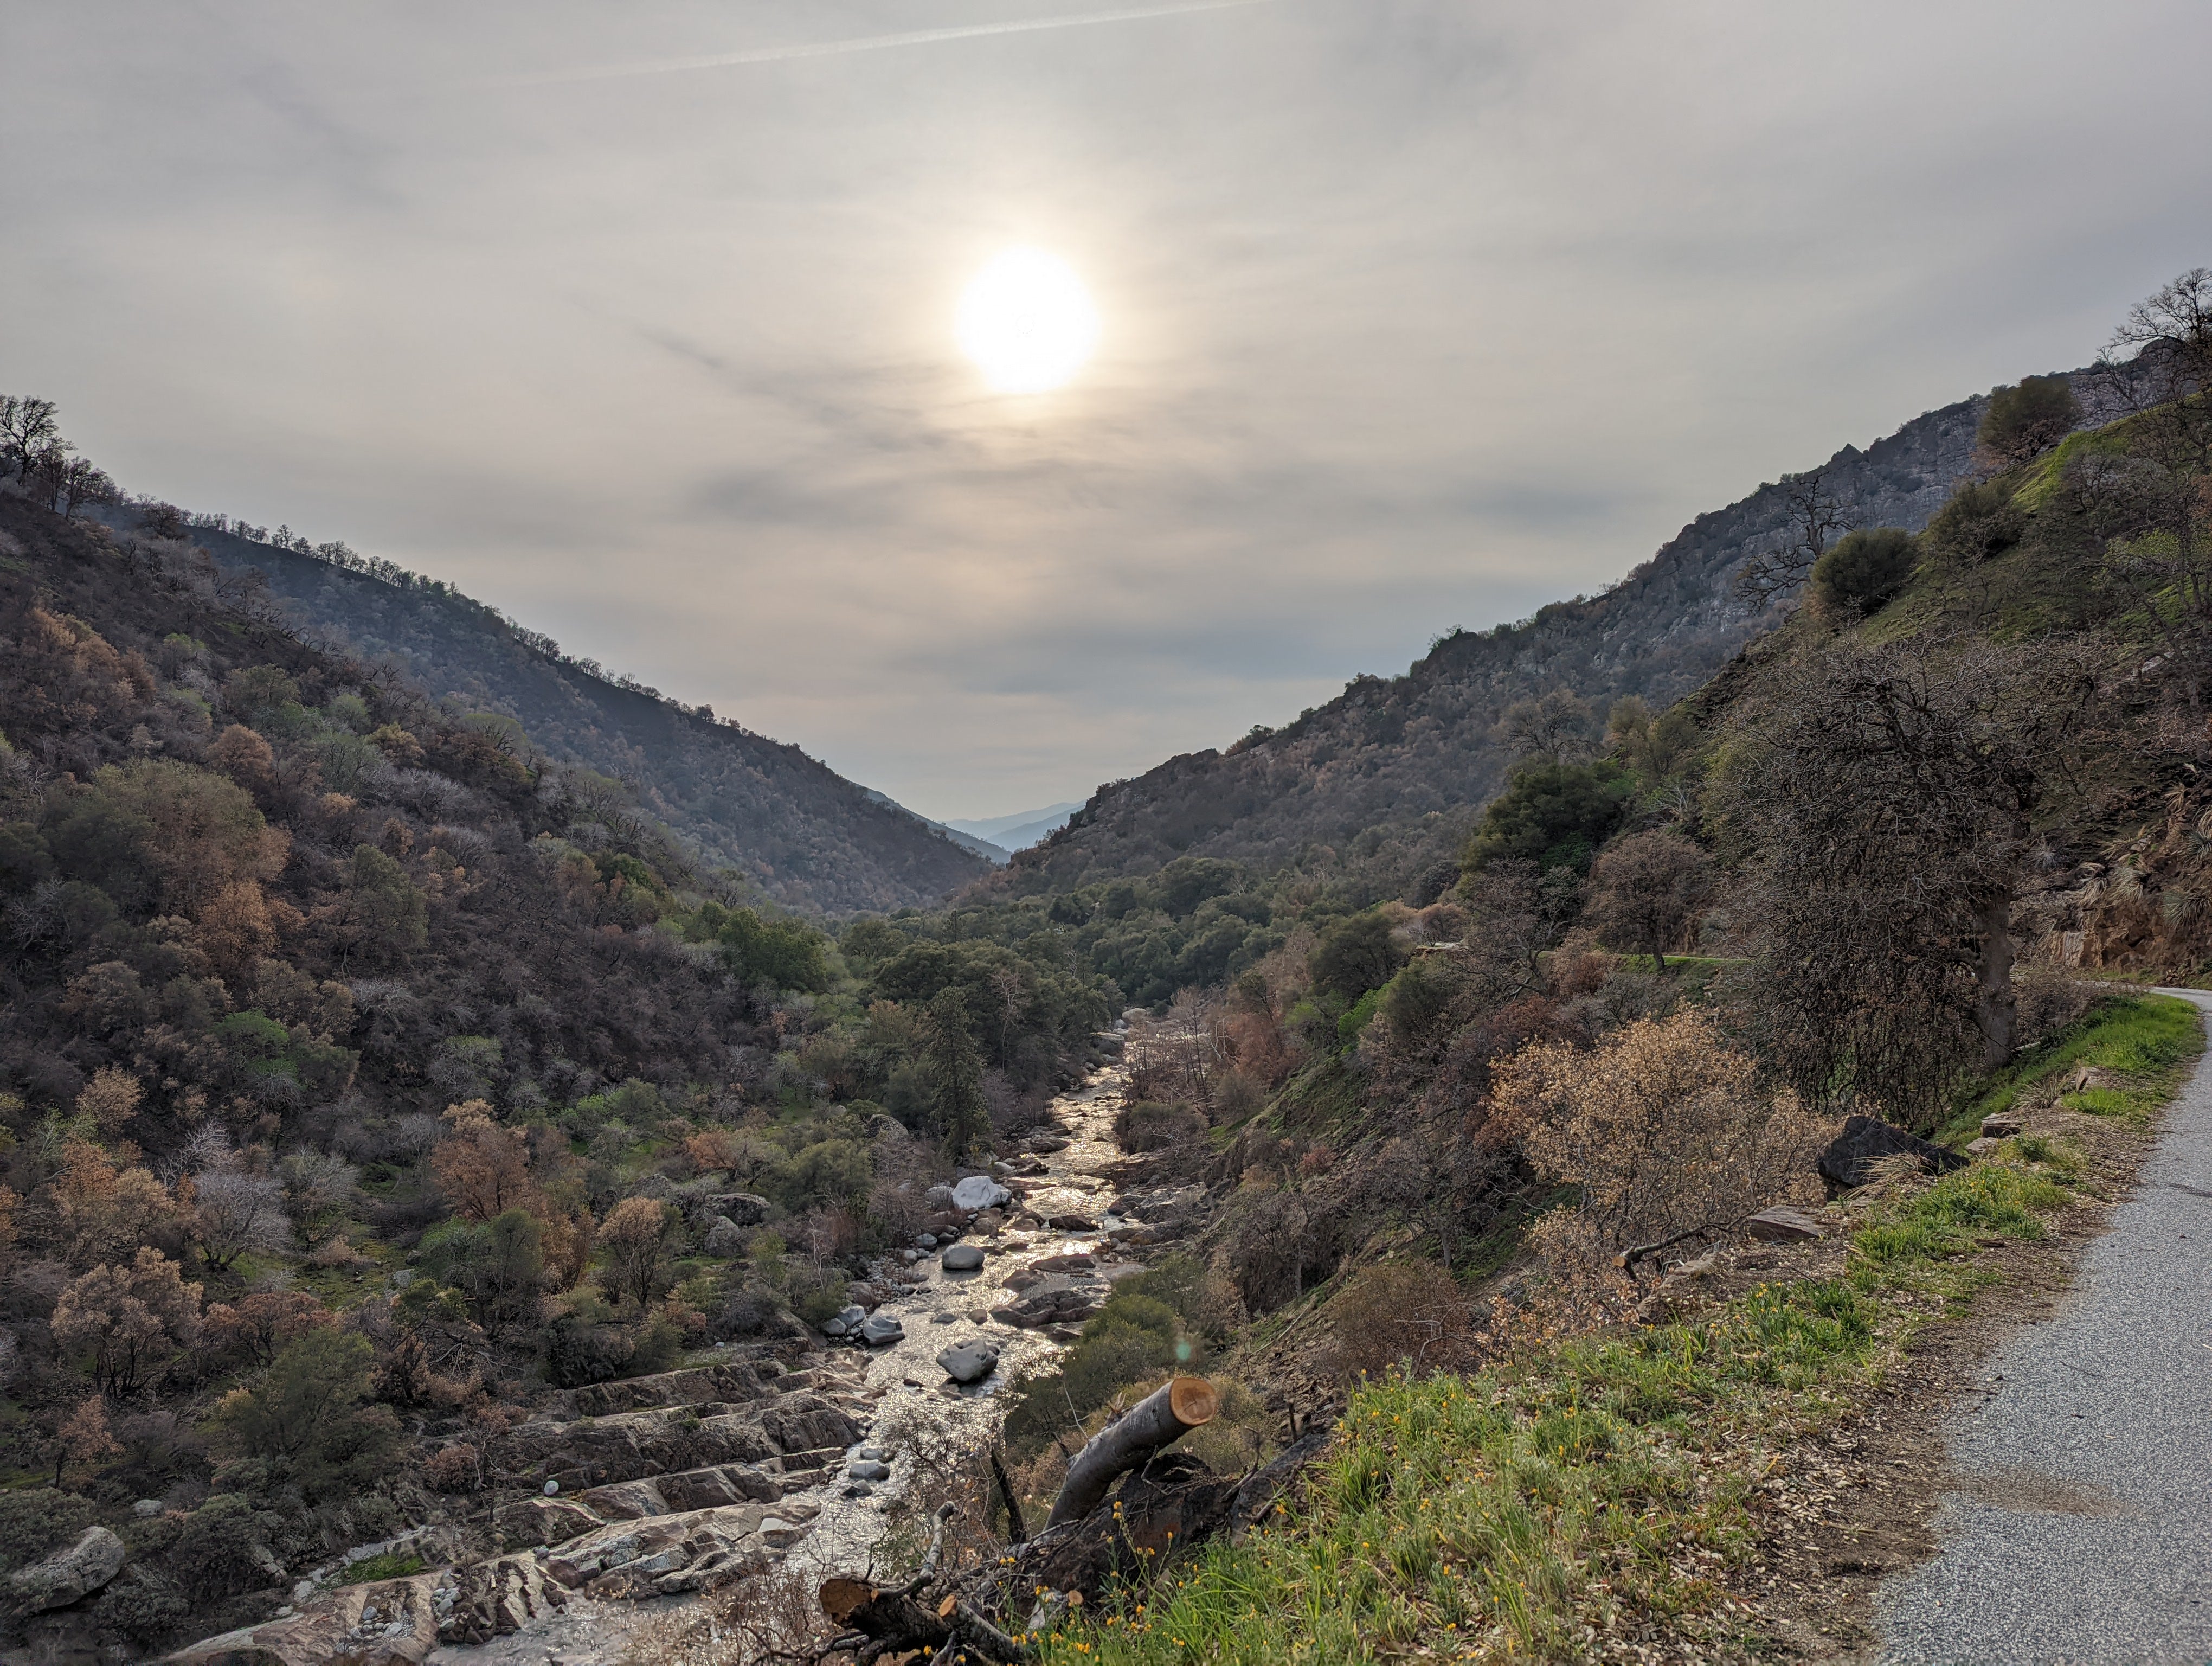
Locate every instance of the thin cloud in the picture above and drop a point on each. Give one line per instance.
(873, 43)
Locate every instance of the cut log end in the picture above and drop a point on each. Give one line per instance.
(1195, 1401)
(842, 1597)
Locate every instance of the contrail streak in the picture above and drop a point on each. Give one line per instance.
(863, 43)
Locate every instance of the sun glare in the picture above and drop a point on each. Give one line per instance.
(1027, 321)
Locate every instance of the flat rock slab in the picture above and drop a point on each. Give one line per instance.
(1783, 1224)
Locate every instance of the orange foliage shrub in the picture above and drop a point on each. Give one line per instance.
(1664, 1126)
(483, 1168)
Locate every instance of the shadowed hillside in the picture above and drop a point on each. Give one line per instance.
(804, 835)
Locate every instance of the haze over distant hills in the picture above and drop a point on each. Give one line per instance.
(1021, 830)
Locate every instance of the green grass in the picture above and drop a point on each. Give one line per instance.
(1592, 1490)
(391, 1565)
(2149, 1040)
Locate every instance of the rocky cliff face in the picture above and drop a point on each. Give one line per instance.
(1394, 770)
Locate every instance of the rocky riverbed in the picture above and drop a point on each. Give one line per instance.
(618, 1502)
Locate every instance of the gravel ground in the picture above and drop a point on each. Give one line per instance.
(2078, 1526)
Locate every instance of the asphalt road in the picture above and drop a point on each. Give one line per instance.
(2081, 1528)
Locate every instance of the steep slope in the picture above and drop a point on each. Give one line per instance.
(1391, 771)
(801, 832)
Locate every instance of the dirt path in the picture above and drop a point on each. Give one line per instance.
(2076, 1523)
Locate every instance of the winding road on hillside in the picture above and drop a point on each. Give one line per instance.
(2078, 1528)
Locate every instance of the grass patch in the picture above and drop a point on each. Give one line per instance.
(2147, 1040)
(1592, 1490)
(391, 1565)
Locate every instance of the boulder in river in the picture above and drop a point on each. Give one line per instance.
(971, 1362)
(846, 1323)
(979, 1191)
(880, 1328)
(1054, 1301)
(61, 1578)
(869, 1469)
(962, 1258)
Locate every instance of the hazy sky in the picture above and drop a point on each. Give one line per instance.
(1415, 313)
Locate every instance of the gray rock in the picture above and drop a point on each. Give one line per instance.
(870, 1471)
(962, 1258)
(67, 1575)
(741, 1208)
(873, 1455)
(727, 1239)
(927, 1240)
(971, 1362)
(1852, 1157)
(880, 1328)
(847, 1321)
(147, 1507)
(938, 1197)
(2003, 1126)
(980, 1191)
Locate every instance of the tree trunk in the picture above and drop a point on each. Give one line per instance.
(1995, 1009)
(1185, 1404)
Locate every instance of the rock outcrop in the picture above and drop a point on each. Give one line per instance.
(68, 1575)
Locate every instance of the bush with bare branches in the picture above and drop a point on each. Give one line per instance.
(1665, 1127)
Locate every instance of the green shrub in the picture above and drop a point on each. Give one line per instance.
(2022, 422)
(1865, 568)
(36, 1520)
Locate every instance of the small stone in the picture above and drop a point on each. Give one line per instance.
(2003, 1126)
(1981, 1147)
(962, 1258)
(552, 1489)
(1072, 1224)
(944, 1318)
(927, 1240)
(148, 1507)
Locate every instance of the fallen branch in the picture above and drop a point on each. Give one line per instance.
(1016, 1529)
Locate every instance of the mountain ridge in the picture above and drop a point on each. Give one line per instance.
(1390, 775)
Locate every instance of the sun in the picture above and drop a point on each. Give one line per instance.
(1027, 321)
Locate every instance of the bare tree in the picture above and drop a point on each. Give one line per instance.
(1891, 798)
(28, 432)
(236, 1214)
(1556, 727)
(1818, 515)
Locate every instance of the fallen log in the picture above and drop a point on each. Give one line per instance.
(1169, 1413)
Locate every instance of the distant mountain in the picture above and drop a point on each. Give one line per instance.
(1021, 830)
(803, 834)
(1386, 778)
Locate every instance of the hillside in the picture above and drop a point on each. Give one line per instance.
(372, 1086)
(1400, 766)
(803, 834)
